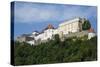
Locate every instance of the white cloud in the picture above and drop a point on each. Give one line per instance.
(28, 13)
(80, 12)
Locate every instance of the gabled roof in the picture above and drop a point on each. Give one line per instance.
(36, 31)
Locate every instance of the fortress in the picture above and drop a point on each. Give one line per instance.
(66, 28)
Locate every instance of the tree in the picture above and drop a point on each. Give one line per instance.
(56, 38)
(53, 52)
(86, 25)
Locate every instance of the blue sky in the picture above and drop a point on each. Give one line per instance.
(29, 17)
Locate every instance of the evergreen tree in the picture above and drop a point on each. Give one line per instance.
(86, 25)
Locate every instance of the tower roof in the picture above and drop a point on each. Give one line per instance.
(50, 26)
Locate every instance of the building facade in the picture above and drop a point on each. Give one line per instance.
(71, 26)
(91, 33)
(68, 28)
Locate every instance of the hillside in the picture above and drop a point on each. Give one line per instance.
(56, 51)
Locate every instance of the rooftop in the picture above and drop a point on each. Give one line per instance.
(91, 30)
(71, 21)
(50, 26)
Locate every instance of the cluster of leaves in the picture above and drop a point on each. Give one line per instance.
(56, 51)
(86, 25)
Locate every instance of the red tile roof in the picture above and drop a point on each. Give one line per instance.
(91, 30)
(49, 27)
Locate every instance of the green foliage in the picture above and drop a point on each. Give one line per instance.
(86, 25)
(56, 51)
(56, 38)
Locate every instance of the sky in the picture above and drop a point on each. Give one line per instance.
(29, 16)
